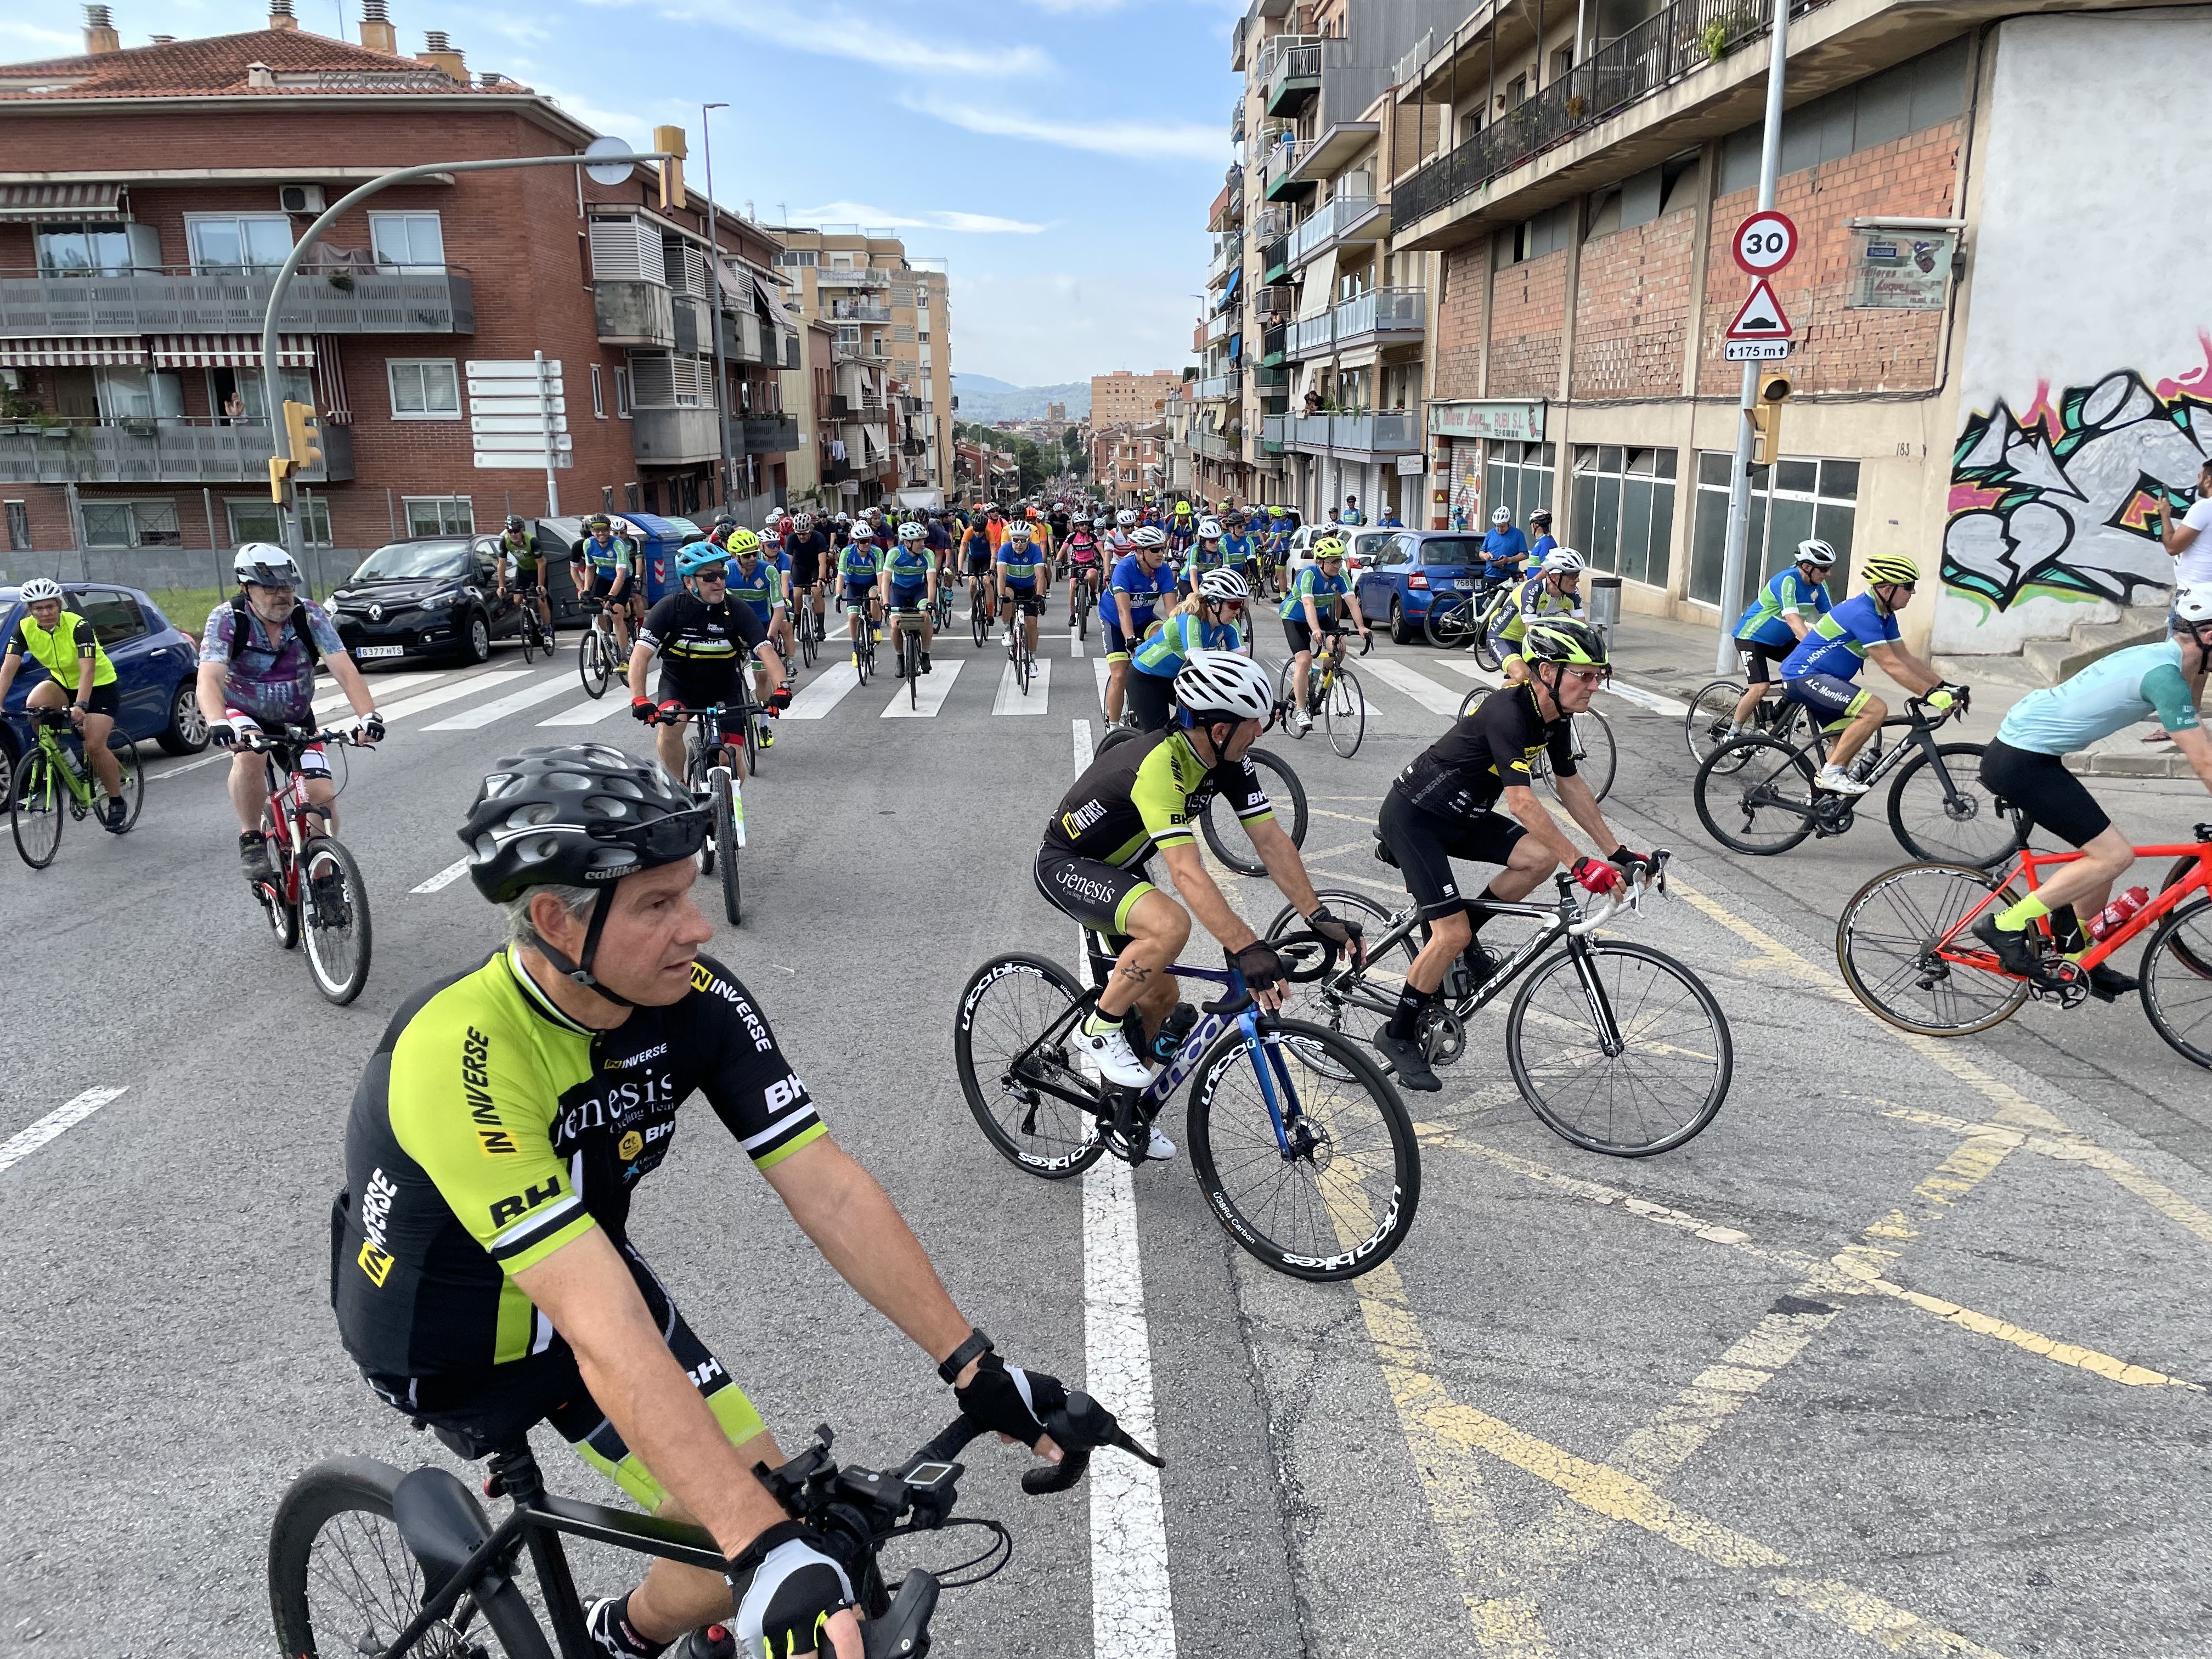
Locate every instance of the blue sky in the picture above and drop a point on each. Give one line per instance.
(1059, 154)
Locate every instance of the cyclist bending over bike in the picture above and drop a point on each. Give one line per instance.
(520, 571)
(1211, 619)
(484, 1275)
(1142, 798)
(1308, 609)
(701, 635)
(756, 584)
(1443, 806)
(1083, 550)
(79, 678)
(1554, 593)
(1025, 579)
(2026, 766)
(600, 568)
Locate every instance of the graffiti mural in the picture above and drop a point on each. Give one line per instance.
(2054, 502)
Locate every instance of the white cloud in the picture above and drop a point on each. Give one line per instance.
(1056, 326)
(524, 31)
(836, 33)
(926, 219)
(1137, 140)
(621, 123)
(62, 41)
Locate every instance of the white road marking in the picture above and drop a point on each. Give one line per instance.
(189, 766)
(827, 691)
(936, 686)
(1010, 700)
(445, 877)
(453, 693)
(1650, 700)
(1467, 665)
(590, 713)
(21, 1144)
(468, 720)
(1419, 687)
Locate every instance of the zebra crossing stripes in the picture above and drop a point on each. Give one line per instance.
(1437, 699)
(468, 720)
(589, 713)
(1013, 700)
(936, 686)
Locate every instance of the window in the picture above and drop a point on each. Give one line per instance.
(236, 241)
(1790, 503)
(1624, 509)
(629, 496)
(424, 388)
(796, 256)
(255, 520)
(131, 523)
(98, 249)
(19, 526)
(1399, 550)
(841, 262)
(439, 515)
(252, 390)
(1519, 478)
(139, 394)
(407, 241)
(622, 396)
(115, 617)
(598, 396)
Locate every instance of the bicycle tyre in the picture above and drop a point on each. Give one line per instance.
(2162, 987)
(1284, 687)
(1053, 1157)
(1981, 811)
(1310, 1001)
(806, 639)
(1345, 713)
(1596, 760)
(726, 846)
(1450, 623)
(1773, 770)
(1711, 712)
(36, 810)
(361, 1486)
(134, 788)
(979, 621)
(1246, 862)
(1886, 939)
(1349, 1069)
(532, 640)
(910, 655)
(592, 663)
(338, 967)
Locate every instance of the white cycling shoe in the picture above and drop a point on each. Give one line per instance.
(1109, 1051)
(1838, 781)
(1160, 1148)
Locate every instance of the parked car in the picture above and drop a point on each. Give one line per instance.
(156, 665)
(437, 596)
(1411, 568)
(1361, 545)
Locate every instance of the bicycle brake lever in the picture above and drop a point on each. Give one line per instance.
(1078, 1431)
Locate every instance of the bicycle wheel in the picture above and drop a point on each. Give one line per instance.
(1903, 948)
(2176, 993)
(910, 656)
(979, 620)
(1342, 1198)
(1451, 623)
(343, 1581)
(725, 845)
(1010, 1003)
(1490, 641)
(1595, 760)
(1964, 823)
(806, 638)
(1711, 713)
(1321, 1002)
(134, 788)
(1285, 688)
(591, 661)
(334, 920)
(1281, 784)
(1345, 713)
(1761, 790)
(1473, 700)
(1658, 1085)
(36, 810)
(530, 641)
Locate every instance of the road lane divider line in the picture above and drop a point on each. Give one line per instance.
(936, 686)
(470, 719)
(21, 1144)
(189, 766)
(1101, 668)
(1011, 699)
(445, 877)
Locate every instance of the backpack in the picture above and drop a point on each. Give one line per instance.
(241, 629)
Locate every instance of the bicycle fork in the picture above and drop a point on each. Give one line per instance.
(720, 774)
(1294, 1136)
(1601, 1004)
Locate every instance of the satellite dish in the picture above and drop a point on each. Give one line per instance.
(608, 173)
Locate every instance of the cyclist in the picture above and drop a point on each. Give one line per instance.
(1240, 550)
(1504, 549)
(516, 561)
(775, 547)
(857, 568)
(1182, 526)
(79, 678)
(1211, 619)
(1443, 806)
(1819, 673)
(1141, 577)
(1142, 798)
(599, 566)
(1310, 610)
(257, 657)
(1770, 630)
(701, 633)
(978, 557)
(1024, 578)
(1555, 592)
(483, 1272)
(1280, 528)
(909, 584)
(2025, 765)
(808, 547)
(1084, 560)
(1205, 555)
(1539, 521)
(757, 585)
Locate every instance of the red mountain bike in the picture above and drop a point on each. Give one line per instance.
(317, 892)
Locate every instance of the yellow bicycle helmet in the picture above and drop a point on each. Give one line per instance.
(1891, 568)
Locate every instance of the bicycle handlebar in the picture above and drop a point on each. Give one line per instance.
(1607, 906)
(299, 736)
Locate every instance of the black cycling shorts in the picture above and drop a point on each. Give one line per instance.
(100, 699)
(1758, 660)
(523, 581)
(805, 569)
(1098, 895)
(1301, 637)
(1425, 844)
(979, 564)
(1150, 698)
(601, 587)
(2041, 787)
(1028, 599)
(705, 691)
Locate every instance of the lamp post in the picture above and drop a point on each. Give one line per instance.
(715, 300)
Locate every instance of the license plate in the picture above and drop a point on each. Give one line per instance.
(370, 652)
(1465, 584)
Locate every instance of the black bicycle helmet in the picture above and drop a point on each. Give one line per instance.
(1563, 640)
(514, 521)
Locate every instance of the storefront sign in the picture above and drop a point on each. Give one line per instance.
(1900, 270)
(1523, 422)
(1412, 466)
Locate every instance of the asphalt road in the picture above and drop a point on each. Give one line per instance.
(1902, 1355)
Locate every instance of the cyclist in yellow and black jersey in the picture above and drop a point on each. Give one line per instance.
(79, 678)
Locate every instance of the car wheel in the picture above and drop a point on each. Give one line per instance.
(479, 645)
(187, 730)
(1401, 632)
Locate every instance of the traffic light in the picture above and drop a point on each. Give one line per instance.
(1767, 417)
(280, 469)
(303, 436)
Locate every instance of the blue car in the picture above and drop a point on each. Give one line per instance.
(1412, 568)
(156, 666)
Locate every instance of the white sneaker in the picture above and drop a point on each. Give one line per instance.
(1838, 781)
(1160, 1147)
(1302, 720)
(1109, 1051)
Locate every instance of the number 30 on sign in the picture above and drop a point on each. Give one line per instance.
(1766, 242)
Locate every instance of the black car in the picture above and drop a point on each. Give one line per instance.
(436, 597)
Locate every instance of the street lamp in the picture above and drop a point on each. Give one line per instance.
(715, 299)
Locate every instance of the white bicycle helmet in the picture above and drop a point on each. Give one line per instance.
(1098, 523)
(864, 531)
(2192, 602)
(40, 590)
(1219, 586)
(1148, 534)
(911, 532)
(1125, 518)
(1816, 552)
(1224, 685)
(1563, 562)
(266, 565)
(1018, 530)
(1501, 515)
(1209, 530)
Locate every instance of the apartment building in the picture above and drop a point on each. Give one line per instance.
(1129, 463)
(882, 429)
(147, 195)
(1126, 398)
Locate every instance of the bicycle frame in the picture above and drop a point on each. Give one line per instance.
(288, 806)
(2028, 862)
(75, 780)
(1560, 920)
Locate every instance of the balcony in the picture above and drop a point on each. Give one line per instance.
(1277, 304)
(1281, 184)
(1381, 316)
(689, 314)
(1221, 388)
(859, 311)
(178, 451)
(1289, 73)
(162, 301)
(1236, 119)
(770, 435)
(629, 313)
(1341, 219)
(825, 276)
(1219, 328)
(1275, 260)
(670, 437)
(1228, 256)
(1218, 445)
(1394, 432)
(1325, 156)
(1273, 345)
(741, 338)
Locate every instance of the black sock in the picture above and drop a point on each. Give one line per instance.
(2066, 930)
(1406, 1017)
(624, 1635)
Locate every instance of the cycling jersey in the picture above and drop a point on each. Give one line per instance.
(61, 650)
(1019, 562)
(1083, 549)
(693, 636)
(1786, 594)
(760, 593)
(272, 683)
(1837, 643)
(2111, 694)
(490, 1130)
(856, 563)
(1543, 544)
(975, 547)
(1323, 591)
(908, 566)
(1533, 601)
(521, 553)
(1144, 797)
(807, 552)
(1143, 588)
(1164, 652)
(1238, 549)
(1462, 774)
(1202, 558)
(607, 561)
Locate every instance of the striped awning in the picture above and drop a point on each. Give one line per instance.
(230, 351)
(76, 351)
(61, 201)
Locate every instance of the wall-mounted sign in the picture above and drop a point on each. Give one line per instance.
(1900, 270)
(1520, 422)
(1412, 466)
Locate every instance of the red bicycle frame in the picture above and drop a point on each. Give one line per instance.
(2029, 862)
(287, 809)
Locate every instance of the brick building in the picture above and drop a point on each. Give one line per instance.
(150, 193)
(1123, 398)
(1129, 463)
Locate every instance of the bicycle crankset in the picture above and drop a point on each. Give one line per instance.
(1444, 1037)
(1833, 816)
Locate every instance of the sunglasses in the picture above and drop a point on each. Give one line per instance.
(1588, 676)
(714, 575)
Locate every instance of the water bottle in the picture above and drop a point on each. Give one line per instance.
(2116, 915)
(70, 763)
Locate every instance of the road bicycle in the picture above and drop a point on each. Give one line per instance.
(708, 776)
(368, 1559)
(940, 608)
(1616, 1048)
(1300, 1144)
(537, 637)
(865, 639)
(599, 658)
(1082, 596)
(1711, 717)
(317, 892)
(1596, 755)
(1284, 790)
(1757, 794)
(1018, 643)
(1334, 696)
(982, 607)
(1905, 946)
(53, 785)
(1464, 615)
(909, 627)
(808, 622)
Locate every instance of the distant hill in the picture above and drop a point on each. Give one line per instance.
(985, 399)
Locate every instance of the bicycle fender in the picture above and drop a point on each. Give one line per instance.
(442, 1522)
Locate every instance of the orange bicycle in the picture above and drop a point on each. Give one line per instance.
(1905, 949)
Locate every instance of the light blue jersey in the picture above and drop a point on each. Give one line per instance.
(2110, 694)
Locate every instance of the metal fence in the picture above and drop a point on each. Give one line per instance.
(1380, 310)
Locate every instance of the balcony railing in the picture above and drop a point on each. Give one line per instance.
(1236, 119)
(1273, 344)
(1392, 432)
(1271, 224)
(1220, 326)
(1380, 314)
(742, 338)
(172, 451)
(1290, 69)
(1221, 388)
(633, 313)
(770, 435)
(1653, 55)
(1218, 445)
(669, 437)
(1281, 160)
(1279, 303)
(1326, 223)
(859, 311)
(825, 276)
(334, 300)
(1228, 256)
(1275, 260)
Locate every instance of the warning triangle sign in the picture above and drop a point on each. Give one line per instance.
(1759, 317)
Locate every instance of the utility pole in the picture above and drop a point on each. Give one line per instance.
(715, 300)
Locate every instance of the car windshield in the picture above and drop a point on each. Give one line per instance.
(414, 561)
(1451, 549)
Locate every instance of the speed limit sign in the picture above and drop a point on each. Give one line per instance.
(1766, 242)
